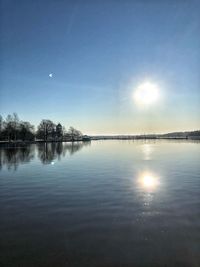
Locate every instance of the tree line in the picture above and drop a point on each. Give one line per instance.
(12, 129)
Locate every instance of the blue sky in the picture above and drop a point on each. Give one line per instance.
(99, 52)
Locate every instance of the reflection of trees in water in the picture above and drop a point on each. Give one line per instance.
(13, 156)
(46, 152)
(75, 146)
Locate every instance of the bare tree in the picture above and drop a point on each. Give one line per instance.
(15, 125)
(46, 130)
(9, 127)
(26, 131)
(74, 134)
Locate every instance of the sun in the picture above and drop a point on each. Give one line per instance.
(146, 94)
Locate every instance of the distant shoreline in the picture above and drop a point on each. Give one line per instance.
(96, 138)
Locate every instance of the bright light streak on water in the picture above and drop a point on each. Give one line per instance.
(147, 150)
(148, 181)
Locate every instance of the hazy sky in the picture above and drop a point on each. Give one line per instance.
(98, 53)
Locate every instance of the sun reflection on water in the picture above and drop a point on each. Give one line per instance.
(148, 181)
(147, 150)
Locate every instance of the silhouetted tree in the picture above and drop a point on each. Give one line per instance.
(16, 125)
(74, 134)
(12, 129)
(46, 130)
(9, 129)
(26, 131)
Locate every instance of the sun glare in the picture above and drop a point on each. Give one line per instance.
(146, 94)
(148, 181)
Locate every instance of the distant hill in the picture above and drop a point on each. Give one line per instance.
(175, 135)
(189, 134)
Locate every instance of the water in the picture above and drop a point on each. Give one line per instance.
(100, 204)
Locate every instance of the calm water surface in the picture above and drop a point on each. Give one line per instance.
(100, 204)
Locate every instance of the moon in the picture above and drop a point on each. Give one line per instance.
(146, 94)
(50, 75)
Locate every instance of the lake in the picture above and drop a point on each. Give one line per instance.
(101, 204)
